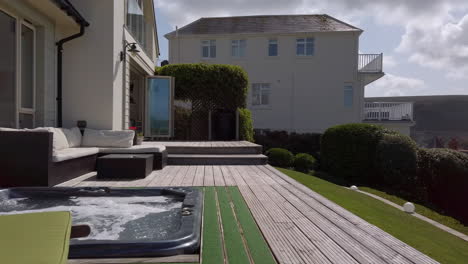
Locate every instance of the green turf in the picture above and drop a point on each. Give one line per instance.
(422, 210)
(430, 240)
(259, 249)
(236, 252)
(212, 246)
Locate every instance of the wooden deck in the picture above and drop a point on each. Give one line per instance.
(203, 143)
(299, 225)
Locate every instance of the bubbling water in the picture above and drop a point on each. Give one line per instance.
(110, 218)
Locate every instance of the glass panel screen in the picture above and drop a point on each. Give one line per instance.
(159, 103)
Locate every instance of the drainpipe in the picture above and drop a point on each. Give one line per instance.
(59, 70)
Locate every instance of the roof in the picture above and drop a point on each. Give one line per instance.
(264, 24)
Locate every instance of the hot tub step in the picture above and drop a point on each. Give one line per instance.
(210, 159)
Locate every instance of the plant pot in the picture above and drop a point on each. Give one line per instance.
(139, 140)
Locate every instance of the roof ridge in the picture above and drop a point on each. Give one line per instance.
(282, 15)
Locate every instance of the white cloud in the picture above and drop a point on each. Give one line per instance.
(389, 61)
(392, 85)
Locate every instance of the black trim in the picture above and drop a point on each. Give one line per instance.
(68, 8)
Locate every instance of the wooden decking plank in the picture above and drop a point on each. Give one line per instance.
(218, 176)
(179, 176)
(170, 259)
(317, 237)
(156, 181)
(330, 235)
(228, 179)
(169, 176)
(374, 233)
(189, 176)
(199, 175)
(305, 249)
(208, 180)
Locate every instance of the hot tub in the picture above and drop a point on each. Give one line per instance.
(124, 222)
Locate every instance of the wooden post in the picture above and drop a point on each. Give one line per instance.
(237, 124)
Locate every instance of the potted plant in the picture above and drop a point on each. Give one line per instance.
(139, 138)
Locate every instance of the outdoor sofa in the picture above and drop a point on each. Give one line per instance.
(49, 156)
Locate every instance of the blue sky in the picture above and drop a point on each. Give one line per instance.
(425, 42)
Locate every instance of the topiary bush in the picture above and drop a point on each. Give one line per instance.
(444, 174)
(348, 151)
(280, 157)
(246, 131)
(304, 162)
(396, 160)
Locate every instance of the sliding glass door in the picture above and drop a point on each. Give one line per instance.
(17, 72)
(7, 71)
(159, 106)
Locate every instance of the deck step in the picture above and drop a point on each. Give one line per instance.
(241, 150)
(213, 159)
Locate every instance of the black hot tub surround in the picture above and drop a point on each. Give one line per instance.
(182, 238)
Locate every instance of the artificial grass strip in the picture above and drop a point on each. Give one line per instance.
(236, 252)
(258, 247)
(430, 240)
(212, 245)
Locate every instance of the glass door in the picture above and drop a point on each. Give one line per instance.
(27, 89)
(8, 72)
(159, 101)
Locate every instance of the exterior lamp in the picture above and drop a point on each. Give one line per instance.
(133, 49)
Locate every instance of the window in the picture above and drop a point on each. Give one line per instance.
(348, 95)
(305, 46)
(238, 47)
(209, 48)
(272, 47)
(136, 22)
(260, 94)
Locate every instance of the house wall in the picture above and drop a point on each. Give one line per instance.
(306, 92)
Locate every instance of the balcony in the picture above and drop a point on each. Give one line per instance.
(370, 67)
(388, 111)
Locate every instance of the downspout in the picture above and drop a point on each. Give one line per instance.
(59, 69)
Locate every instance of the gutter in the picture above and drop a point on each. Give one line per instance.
(67, 7)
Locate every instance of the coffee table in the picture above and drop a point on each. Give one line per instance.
(130, 166)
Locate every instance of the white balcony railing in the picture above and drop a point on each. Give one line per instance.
(370, 63)
(388, 111)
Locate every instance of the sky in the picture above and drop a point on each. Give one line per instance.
(424, 42)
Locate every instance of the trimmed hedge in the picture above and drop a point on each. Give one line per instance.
(246, 131)
(304, 162)
(280, 157)
(224, 86)
(396, 160)
(294, 142)
(348, 151)
(444, 175)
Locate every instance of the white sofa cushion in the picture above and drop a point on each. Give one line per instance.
(73, 153)
(107, 138)
(133, 149)
(9, 129)
(73, 136)
(59, 139)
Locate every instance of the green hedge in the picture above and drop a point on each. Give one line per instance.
(396, 160)
(304, 162)
(224, 86)
(348, 151)
(280, 157)
(443, 173)
(246, 131)
(294, 142)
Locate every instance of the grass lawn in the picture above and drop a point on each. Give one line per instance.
(430, 240)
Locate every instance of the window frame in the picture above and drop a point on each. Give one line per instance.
(237, 43)
(304, 41)
(276, 47)
(262, 87)
(210, 43)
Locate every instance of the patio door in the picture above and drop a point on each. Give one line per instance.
(159, 102)
(17, 72)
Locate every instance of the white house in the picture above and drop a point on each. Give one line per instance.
(305, 71)
(99, 75)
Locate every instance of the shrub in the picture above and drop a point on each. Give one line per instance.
(396, 160)
(294, 142)
(280, 157)
(348, 151)
(245, 125)
(304, 162)
(444, 174)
